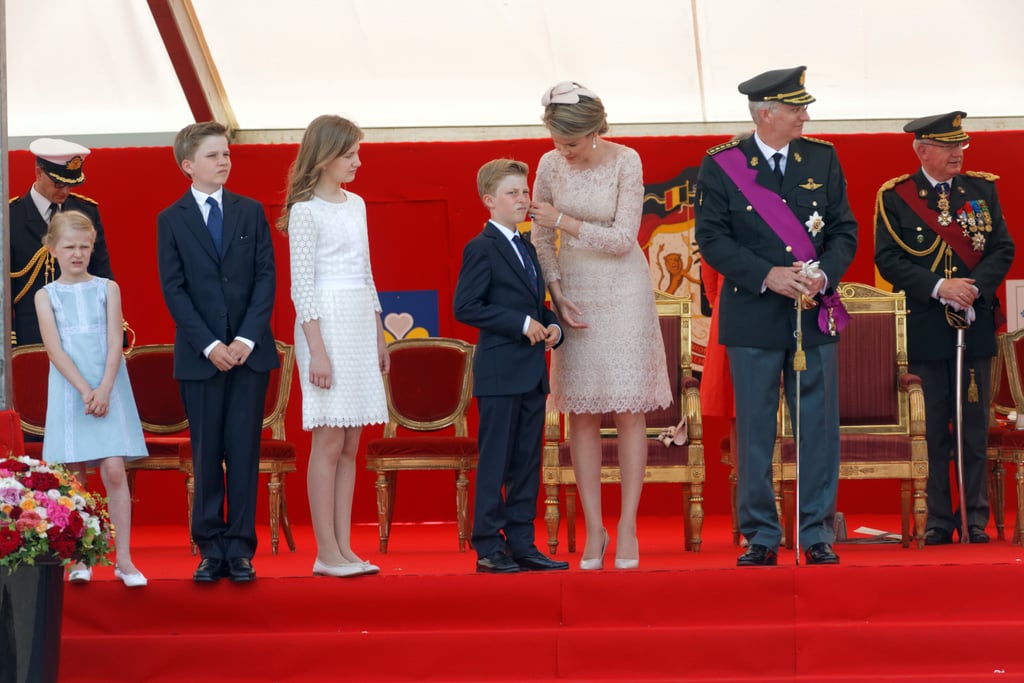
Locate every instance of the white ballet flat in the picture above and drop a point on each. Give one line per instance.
(370, 568)
(340, 571)
(597, 563)
(134, 580)
(81, 574)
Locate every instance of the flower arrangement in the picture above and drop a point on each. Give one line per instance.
(45, 514)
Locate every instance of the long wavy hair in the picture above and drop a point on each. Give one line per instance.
(326, 138)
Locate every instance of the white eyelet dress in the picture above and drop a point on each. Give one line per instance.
(331, 281)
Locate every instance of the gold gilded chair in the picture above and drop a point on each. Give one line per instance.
(881, 410)
(674, 464)
(428, 389)
(30, 368)
(277, 455)
(1006, 444)
(158, 399)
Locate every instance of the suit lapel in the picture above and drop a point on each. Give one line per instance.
(794, 168)
(193, 219)
(508, 252)
(232, 222)
(755, 159)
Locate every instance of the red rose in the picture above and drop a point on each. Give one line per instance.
(10, 541)
(41, 481)
(61, 543)
(12, 465)
(15, 512)
(75, 524)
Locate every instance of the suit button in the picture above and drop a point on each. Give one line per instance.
(224, 280)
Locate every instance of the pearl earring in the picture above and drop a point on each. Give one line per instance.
(593, 145)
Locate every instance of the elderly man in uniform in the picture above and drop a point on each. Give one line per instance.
(59, 167)
(773, 219)
(940, 236)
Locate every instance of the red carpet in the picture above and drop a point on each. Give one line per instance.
(887, 613)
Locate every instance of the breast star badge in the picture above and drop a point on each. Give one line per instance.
(815, 224)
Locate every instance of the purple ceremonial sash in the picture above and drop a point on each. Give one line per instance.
(776, 213)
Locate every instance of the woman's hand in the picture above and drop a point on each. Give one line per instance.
(568, 313)
(544, 214)
(320, 370)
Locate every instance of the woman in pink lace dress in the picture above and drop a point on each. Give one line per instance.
(588, 197)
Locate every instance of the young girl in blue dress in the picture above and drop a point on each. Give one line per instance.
(91, 418)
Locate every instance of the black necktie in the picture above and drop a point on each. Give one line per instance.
(527, 261)
(777, 158)
(215, 223)
(54, 210)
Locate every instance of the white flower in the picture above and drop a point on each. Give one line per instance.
(53, 494)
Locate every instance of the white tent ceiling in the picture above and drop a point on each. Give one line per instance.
(453, 68)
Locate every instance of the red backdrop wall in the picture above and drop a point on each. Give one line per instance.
(422, 207)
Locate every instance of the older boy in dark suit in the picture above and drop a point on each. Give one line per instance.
(217, 273)
(500, 292)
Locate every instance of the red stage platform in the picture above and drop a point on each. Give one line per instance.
(949, 613)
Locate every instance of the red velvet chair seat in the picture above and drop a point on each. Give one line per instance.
(423, 446)
(657, 454)
(862, 447)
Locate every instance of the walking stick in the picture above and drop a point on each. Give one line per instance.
(799, 365)
(964, 535)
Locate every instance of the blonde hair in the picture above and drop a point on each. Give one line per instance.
(578, 119)
(67, 220)
(188, 139)
(326, 138)
(493, 172)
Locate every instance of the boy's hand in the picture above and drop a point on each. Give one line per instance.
(239, 351)
(222, 357)
(553, 335)
(535, 332)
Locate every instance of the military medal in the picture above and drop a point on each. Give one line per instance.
(975, 220)
(815, 224)
(945, 218)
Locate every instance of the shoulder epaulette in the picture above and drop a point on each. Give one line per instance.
(991, 177)
(88, 200)
(12, 200)
(818, 140)
(724, 146)
(889, 184)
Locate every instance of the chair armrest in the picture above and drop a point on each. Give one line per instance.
(694, 421)
(911, 385)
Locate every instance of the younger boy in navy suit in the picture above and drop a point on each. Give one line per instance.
(501, 292)
(216, 266)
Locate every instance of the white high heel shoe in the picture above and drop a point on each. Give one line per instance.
(80, 574)
(591, 565)
(623, 563)
(134, 580)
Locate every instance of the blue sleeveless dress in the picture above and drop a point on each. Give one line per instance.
(72, 436)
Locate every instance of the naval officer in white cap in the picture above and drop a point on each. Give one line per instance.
(59, 167)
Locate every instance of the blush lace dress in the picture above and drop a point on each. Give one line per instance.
(617, 363)
(331, 281)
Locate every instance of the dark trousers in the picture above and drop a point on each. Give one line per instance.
(756, 375)
(938, 381)
(225, 415)
(508, 473)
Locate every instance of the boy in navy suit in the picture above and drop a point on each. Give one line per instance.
(217, 274)
(501, 292)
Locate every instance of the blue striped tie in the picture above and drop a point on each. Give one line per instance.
(527, 261)
(215, 224)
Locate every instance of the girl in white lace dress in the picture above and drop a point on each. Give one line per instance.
(339, 339)
(590, 191)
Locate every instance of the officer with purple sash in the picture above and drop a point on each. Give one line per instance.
(773, 218)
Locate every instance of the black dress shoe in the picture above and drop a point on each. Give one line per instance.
(240, 569)
(497, 563)
(758, 556)
(821, 553)
(539, 563)
(210, 569)
(977, 534)
(938, 537)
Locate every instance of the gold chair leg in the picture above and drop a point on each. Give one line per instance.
(285, 524)
(551, 515)
(1019, 526)
(696, 516)
(920, 507)
(734, 506)
(997, 496)
(905, 512)
(461, 506)
(274, 495)
(190, 496)
(686, 517)
(570, 515)
(383, 513)
(788, 513)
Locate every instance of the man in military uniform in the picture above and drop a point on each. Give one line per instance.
(773, 219)
(940, 236)
(59, 167)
